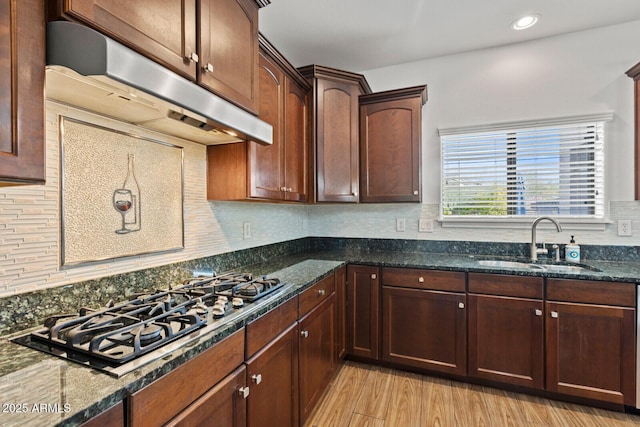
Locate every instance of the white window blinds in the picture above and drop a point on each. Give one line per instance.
(543, 169)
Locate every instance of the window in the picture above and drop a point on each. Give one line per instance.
(525, 169)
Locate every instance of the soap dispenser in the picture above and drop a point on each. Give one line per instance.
(572, 251)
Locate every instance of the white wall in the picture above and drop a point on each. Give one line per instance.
(573, 74)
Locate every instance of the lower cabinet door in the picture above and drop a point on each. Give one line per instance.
(506, 340)
(591, 351)
(424, 329)
(317, 354)
(225, 405)
(273, 378)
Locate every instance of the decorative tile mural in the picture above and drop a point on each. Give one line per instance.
(121, 194)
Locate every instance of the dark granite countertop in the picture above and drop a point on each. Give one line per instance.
(41, 390)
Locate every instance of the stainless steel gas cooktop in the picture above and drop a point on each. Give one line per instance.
(122, 337)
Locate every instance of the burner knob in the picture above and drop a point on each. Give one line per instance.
(237, 302)
(222, 299)
(217, 311)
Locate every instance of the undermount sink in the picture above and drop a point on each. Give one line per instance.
(553, 268)
(565, 268)
(509, 264)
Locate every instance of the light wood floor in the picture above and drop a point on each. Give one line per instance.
(363, 395)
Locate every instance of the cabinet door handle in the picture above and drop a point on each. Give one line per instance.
(421, 279)
(460, 305)
(193, 57)
(321, 292)
(538, 312)
(208, 68)
(554, 314)
(304, 334)
(374, 276)
(243, 392)
(257, 378)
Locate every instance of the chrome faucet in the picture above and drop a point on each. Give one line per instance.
(535, 250)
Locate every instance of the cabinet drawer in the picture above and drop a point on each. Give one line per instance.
(424, 279)
(592, 292)
(506, 285)
(316, 294)
(269, 326)
(164, 398)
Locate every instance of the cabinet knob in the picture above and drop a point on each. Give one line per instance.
(243, 392)
(554, 314)
(460, 305)
(416, 192)
(421, 279)
(289, 189)
(321, 292)
(257, 378)
(355, 194)
(208, 68)
(374, 276)
(305, 334)
(538, 312)
(193, 57)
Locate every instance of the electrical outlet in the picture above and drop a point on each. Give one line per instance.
(401, 224)
(624, 227)
(246, 230)
(425, 225)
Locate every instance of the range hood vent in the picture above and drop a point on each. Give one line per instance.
(88, 70)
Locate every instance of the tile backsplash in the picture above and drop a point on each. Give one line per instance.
(30, 221)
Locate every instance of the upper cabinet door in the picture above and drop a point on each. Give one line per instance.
(164, 30)
(22, 61)
(296, 142)
(266, 161)
(390, 138)
(229, 49)
(337, 141)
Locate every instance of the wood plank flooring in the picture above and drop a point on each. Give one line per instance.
(362, 395)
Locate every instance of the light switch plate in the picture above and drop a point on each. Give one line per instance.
(246, 230)
(401, 224)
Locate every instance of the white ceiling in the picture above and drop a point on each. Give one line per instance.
(359, 35)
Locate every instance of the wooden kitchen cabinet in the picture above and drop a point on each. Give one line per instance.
(212, 42)
(177, 395)
(363, 312)
(225, 405)
(506, 329)
(390, 139)
(335, 142)
(273, 377)
(228, 40)
(341, 312)
(22, 130)
(268, 172)
(634, 73)
(423, 327)
(590, 329)
(112, 417)
(317, 354)
(163, 30)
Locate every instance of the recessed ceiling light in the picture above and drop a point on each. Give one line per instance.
(525, 22)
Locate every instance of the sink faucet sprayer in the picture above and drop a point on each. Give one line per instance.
(534, 247)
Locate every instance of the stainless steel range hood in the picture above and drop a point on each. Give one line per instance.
(88, 70)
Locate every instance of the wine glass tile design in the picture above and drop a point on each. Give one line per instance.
(113, 184)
